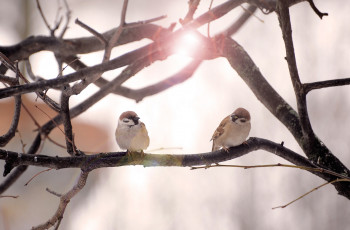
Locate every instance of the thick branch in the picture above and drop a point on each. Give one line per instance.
(90, 162)
(102, 160)
(82, 45)
(86, 45)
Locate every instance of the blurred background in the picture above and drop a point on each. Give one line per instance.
(185, 117)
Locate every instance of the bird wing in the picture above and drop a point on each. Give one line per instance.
(220, 130)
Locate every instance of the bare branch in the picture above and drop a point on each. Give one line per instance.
(37, 174)
(316, 169)
(52, 30)
(8, 80)
(192, 7)
(83, 45)
(8, 196)
(68, 17)
(308, 134)
(66, 120)
(215, 13)
(92, 31)
(241, 20)
(64, 200)
(268, 6)
(147, 21)
(53, 192)
(319, 13)
(139, 94)
(42, 15)
(114, 39)
(312, 190)
(325, 84)
(4, 139)
(90, 162)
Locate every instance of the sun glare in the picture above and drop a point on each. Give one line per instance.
(187, 44)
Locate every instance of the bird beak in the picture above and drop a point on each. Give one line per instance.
(136, 120)
(234, 117)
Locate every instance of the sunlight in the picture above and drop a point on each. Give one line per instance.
(187, 44)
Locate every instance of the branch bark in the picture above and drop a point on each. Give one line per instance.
(117, 159)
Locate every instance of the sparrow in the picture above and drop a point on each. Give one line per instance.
(232, 131)
(131, 134)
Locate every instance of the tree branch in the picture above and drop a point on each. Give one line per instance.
(64, 200)
(192, 7)
(4, 139)
(66, 120)
(240, 21)
(101, 160)
(284, 19)
(325, 84)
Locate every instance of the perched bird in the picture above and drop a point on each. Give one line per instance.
(131, 134)
(232, 131)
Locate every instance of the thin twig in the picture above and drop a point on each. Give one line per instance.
(21, 140)
(52, 30)
(68, 17)
(144, 22)
(52, 119)
(37, 174)
(319, 13)
(312, 190)
(208, 28)
(317, 169)
(8, 196)
(42, 15)
(241, 20)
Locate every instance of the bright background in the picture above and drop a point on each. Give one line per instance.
(186, 116)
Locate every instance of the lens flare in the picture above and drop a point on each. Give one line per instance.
(187, 44)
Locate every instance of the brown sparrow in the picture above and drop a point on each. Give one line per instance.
(232, 131)
(131, 134)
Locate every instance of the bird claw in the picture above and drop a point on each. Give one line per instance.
(226, 149)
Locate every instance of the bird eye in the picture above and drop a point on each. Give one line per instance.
(125, 120)
(242, 120)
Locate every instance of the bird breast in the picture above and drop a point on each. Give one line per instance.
(236, 134)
